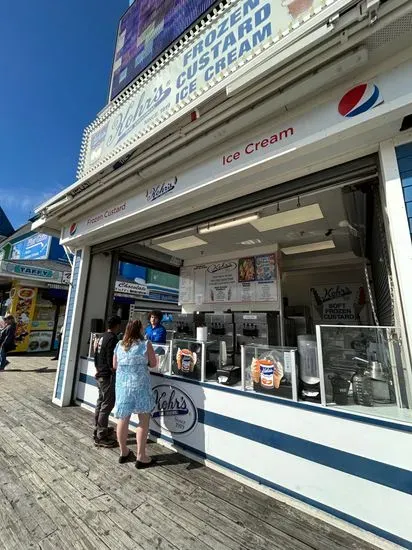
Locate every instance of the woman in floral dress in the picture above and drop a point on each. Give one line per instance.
(132, 356)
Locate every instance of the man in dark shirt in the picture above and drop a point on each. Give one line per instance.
(103, 360)
(7, 340)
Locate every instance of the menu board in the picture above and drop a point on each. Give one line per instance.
(186, 285)
(243, 280)
(222, 282)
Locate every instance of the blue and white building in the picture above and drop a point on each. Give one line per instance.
(280, 130)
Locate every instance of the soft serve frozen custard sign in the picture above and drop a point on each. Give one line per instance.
(203, 64)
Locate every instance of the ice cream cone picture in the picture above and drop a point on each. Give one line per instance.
(278, 374)
(255, 371)
(297, 8)
(318, 302)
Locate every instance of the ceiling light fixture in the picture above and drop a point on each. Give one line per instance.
(290, 217)
(250, 242)
(210, 228)
(181, 244)
(310, 247)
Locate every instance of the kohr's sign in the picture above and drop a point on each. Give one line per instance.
(174, 411)
(204, 63)
(159, 191)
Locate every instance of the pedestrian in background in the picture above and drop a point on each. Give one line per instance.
(105, 377)
(134, 394)
(7, 340)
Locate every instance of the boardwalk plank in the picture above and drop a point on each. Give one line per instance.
(57, 491)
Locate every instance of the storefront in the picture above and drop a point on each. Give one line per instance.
(34, 276)
(139, 290)
(287, 223)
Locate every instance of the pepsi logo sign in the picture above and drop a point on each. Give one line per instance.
(73, 229)
(360, 99)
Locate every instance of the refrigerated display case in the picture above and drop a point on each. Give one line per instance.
(270, 370)
(360, 368)
(190, 359)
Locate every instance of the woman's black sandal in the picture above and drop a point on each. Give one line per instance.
(131, 457)
(141, 465)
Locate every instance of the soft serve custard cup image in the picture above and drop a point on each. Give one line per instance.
(186, 360)
(267, 372)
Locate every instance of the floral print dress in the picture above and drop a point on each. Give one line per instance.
(133, 384)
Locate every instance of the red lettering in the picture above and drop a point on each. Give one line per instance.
(264, 142)
(250, 148)
(227, 159)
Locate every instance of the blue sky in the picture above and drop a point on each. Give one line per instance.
(55, 70)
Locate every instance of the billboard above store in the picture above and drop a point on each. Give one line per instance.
(35, 247)
(208, 61)
(146, 31)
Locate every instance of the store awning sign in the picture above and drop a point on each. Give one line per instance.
(270, 142)
(31, 272)
(133, 289)
(205, 63)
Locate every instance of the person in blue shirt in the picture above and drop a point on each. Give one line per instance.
(156, 332)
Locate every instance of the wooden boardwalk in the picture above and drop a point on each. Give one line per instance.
(57, 491)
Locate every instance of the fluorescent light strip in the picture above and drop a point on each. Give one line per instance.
(227, 225)
(181, 244)
(310, 247)
(296, 216)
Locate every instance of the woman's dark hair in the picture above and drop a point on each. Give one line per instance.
(133, 333)
(156, 313)
(114, 322)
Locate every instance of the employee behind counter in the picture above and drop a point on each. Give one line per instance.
(156, 332)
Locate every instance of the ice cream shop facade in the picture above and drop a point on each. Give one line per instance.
(265, 161)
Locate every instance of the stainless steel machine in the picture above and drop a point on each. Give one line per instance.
(257, 328)
(184, 324)
(221, 331)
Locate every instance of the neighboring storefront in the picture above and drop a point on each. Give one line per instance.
(281, 203)
(35, 274)
(139, 290)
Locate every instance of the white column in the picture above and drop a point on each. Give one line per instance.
(399, 239)
(72, 326)
(97, 294)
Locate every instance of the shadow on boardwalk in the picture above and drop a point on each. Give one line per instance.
(57, 491)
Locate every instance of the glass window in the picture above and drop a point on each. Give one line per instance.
(361, 369)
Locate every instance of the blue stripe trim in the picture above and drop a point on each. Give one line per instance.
(311, 407)
(262, 481)
(387, 475)
(332, 511)
(377, 472)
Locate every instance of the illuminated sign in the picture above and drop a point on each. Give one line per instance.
(146, 30)
(208, 60)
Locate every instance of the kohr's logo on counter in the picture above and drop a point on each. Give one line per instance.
(174, 411)
(360, 99)
(159, 191)
(72, 229)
